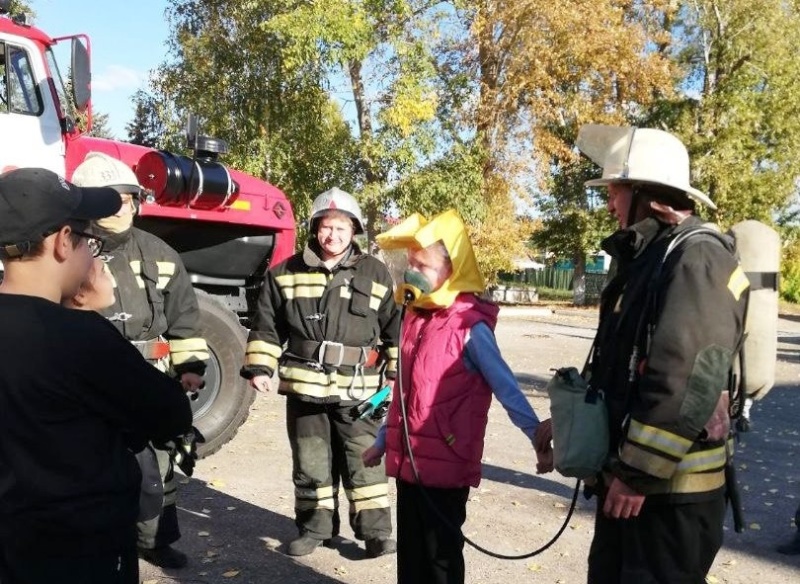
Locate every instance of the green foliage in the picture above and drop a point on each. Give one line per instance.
(740, 115)
(100, 123)
(148, 126)
(453, 181)
(278, 121)
(790, 258)
(574, 220)
(418, 106)
(20, 7)
(374, 46)
(546, 294)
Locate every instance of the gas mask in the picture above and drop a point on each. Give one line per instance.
(414, 286)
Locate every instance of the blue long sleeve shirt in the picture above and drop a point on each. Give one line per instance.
(482, 354)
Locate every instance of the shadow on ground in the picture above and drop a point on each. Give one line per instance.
(767, 462)
(229, 540)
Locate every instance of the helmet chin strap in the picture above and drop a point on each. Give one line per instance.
(633, 207)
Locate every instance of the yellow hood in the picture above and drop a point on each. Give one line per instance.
(418, 232)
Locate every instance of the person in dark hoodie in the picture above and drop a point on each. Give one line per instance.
(450, 367)
(156, 310)
(76, 399)
(331, 305)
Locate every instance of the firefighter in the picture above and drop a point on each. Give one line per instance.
(668, 333)
(333, 308)
(156, 309)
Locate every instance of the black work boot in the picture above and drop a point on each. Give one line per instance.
(380, 546)
(164, 557)
(305, 544)
(792, 548)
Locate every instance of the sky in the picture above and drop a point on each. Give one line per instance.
(128, 40)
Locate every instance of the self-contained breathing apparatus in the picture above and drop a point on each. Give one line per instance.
(414, 285)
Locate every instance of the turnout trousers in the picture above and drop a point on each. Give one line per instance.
(326, 448)
(162, 530)
(666, 544)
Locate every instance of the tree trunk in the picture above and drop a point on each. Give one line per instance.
(371, 176)
(487, 61)
(362, 108)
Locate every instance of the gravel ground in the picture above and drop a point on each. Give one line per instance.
(236, 512)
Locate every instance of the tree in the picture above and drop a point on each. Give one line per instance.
(278, 121)
(100, 122)
(20, 6)
(376, 46)
(147, 128)
(545, 69)
(739, 112)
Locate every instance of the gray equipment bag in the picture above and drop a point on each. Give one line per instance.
(580, 425)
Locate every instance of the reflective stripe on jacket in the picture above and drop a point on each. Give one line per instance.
(155, 298)
(301, 301)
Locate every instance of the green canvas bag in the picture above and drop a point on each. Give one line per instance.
(580, 424)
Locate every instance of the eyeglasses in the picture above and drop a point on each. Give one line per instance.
(95, 243)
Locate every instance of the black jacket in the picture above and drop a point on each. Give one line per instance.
(154, 297)
(303, 303)
(75, 399)
(664, 385)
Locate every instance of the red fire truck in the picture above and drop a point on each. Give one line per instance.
(228, 227)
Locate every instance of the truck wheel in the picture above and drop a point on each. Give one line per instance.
(223, 405)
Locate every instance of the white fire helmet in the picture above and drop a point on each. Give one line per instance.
(101, 170)
(639, 156)
(336, 199)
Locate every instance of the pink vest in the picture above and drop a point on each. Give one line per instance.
(447, 404)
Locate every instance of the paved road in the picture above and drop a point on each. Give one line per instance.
(237, 510)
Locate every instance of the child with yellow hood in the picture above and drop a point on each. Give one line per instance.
(449, 369)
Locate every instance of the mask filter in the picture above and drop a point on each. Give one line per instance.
(414, 286)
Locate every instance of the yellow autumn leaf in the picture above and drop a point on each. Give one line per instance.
(230, 574)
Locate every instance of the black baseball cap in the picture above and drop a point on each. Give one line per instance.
(34, 202)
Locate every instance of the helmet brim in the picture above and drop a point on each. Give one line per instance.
(691, 192)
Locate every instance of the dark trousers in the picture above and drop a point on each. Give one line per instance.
(666, 544)
(428, 551)
(327, 445)
(33, 566)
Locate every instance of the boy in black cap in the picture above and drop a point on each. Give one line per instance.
(75, 397)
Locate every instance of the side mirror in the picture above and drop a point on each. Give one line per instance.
(81, 72)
